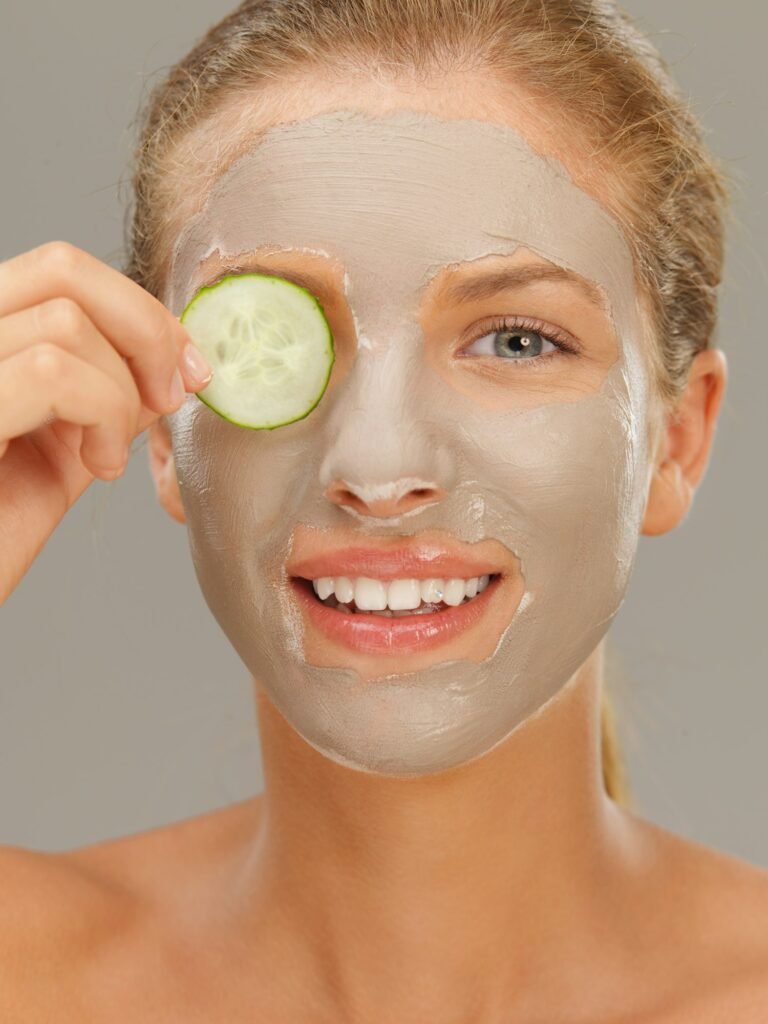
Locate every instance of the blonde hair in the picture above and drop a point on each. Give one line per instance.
(583, 58)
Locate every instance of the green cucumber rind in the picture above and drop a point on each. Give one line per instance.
(331, 348)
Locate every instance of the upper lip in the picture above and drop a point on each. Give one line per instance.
(417, 560)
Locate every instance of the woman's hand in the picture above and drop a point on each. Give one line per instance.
(87, 358)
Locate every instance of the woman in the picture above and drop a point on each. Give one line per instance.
(516, 236)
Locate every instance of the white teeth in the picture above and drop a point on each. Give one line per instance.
(323, 587)
(370, 595)
(432, 591)
(455, 592)
(345, 590)
(402, 594)
(398, 597)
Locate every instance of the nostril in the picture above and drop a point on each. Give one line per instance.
(384, 499)
(342, 494)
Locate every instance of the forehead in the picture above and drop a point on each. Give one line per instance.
(394, 197)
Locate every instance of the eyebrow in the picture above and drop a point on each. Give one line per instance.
(489, 284)
(481, 287)
(301, 278)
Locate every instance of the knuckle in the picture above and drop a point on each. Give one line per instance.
(47, 362)
(62, 258)
(62, 316)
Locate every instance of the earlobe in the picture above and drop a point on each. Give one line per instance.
(163, 469)
(687, 444)
(669, 499)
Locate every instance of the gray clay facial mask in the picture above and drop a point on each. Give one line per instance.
(560, 484)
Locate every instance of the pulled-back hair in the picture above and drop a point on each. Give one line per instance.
(583, 60)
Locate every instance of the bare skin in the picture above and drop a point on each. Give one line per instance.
(605, 917)
(508, 889)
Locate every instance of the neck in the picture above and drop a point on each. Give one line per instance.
(443, 895)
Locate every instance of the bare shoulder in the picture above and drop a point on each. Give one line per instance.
(51, 913)
(63, 913)
(124, 869)
(711, 918)
(731, 893)
(154, 862)
(40, 892)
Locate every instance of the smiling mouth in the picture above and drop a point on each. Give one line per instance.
(366, 615)
(401, 598)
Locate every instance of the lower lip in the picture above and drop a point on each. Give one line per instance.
(377, 634)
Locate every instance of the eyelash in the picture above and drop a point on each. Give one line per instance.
(564, 344)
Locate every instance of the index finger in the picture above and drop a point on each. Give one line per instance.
(137, 324)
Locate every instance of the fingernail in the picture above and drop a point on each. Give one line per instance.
(178, 391)
(196, 364)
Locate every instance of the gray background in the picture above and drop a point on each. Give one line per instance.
(122, 705)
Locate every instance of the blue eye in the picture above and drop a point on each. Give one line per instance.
(513, 342)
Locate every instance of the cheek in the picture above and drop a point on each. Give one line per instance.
(563, 486)
(233, 481)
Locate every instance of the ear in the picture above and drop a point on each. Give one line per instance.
(164, 469)
(686, 444)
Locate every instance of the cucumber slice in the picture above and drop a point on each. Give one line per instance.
(269, 345)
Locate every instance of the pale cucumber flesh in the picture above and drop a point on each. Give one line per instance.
(270, 347)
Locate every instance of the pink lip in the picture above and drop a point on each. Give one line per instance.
(374, 634)
(392, 564)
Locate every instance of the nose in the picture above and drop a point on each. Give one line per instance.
(387, 450)
(384, 500)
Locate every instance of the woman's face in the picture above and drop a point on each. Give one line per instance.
(486, 417)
